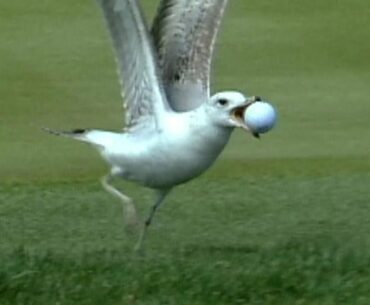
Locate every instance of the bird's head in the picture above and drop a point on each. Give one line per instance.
(227, 109)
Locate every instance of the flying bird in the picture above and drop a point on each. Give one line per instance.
(174, 128)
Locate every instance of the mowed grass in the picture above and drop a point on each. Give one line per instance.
(234, 239)
(283, 220)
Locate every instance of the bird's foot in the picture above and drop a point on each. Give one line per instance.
(139, 244)
(130, 218)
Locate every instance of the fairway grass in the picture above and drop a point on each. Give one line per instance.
(309, 58)
(279, 239)
(294, 273)
(281, 220)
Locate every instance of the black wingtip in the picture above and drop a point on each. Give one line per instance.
(74, 132)
(78, 131)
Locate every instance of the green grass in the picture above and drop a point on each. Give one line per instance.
(286, 239)
(320, 274)
(283, 220)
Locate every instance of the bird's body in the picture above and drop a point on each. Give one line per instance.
(183, 148)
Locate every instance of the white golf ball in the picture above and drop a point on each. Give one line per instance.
(260, 117)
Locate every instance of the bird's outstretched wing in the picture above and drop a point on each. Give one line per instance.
(184, 33)
(141, 86)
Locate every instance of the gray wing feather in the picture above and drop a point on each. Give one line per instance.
(184, 33)
(141, 87)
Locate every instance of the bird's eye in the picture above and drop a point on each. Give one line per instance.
(223, 102)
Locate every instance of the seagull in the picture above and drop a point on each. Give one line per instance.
(174, 128)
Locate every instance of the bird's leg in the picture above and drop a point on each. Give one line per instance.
(129, 210)
(161, 195)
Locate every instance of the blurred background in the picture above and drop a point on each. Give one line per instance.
(309, 58)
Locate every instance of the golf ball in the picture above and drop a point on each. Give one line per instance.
(260, 117)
